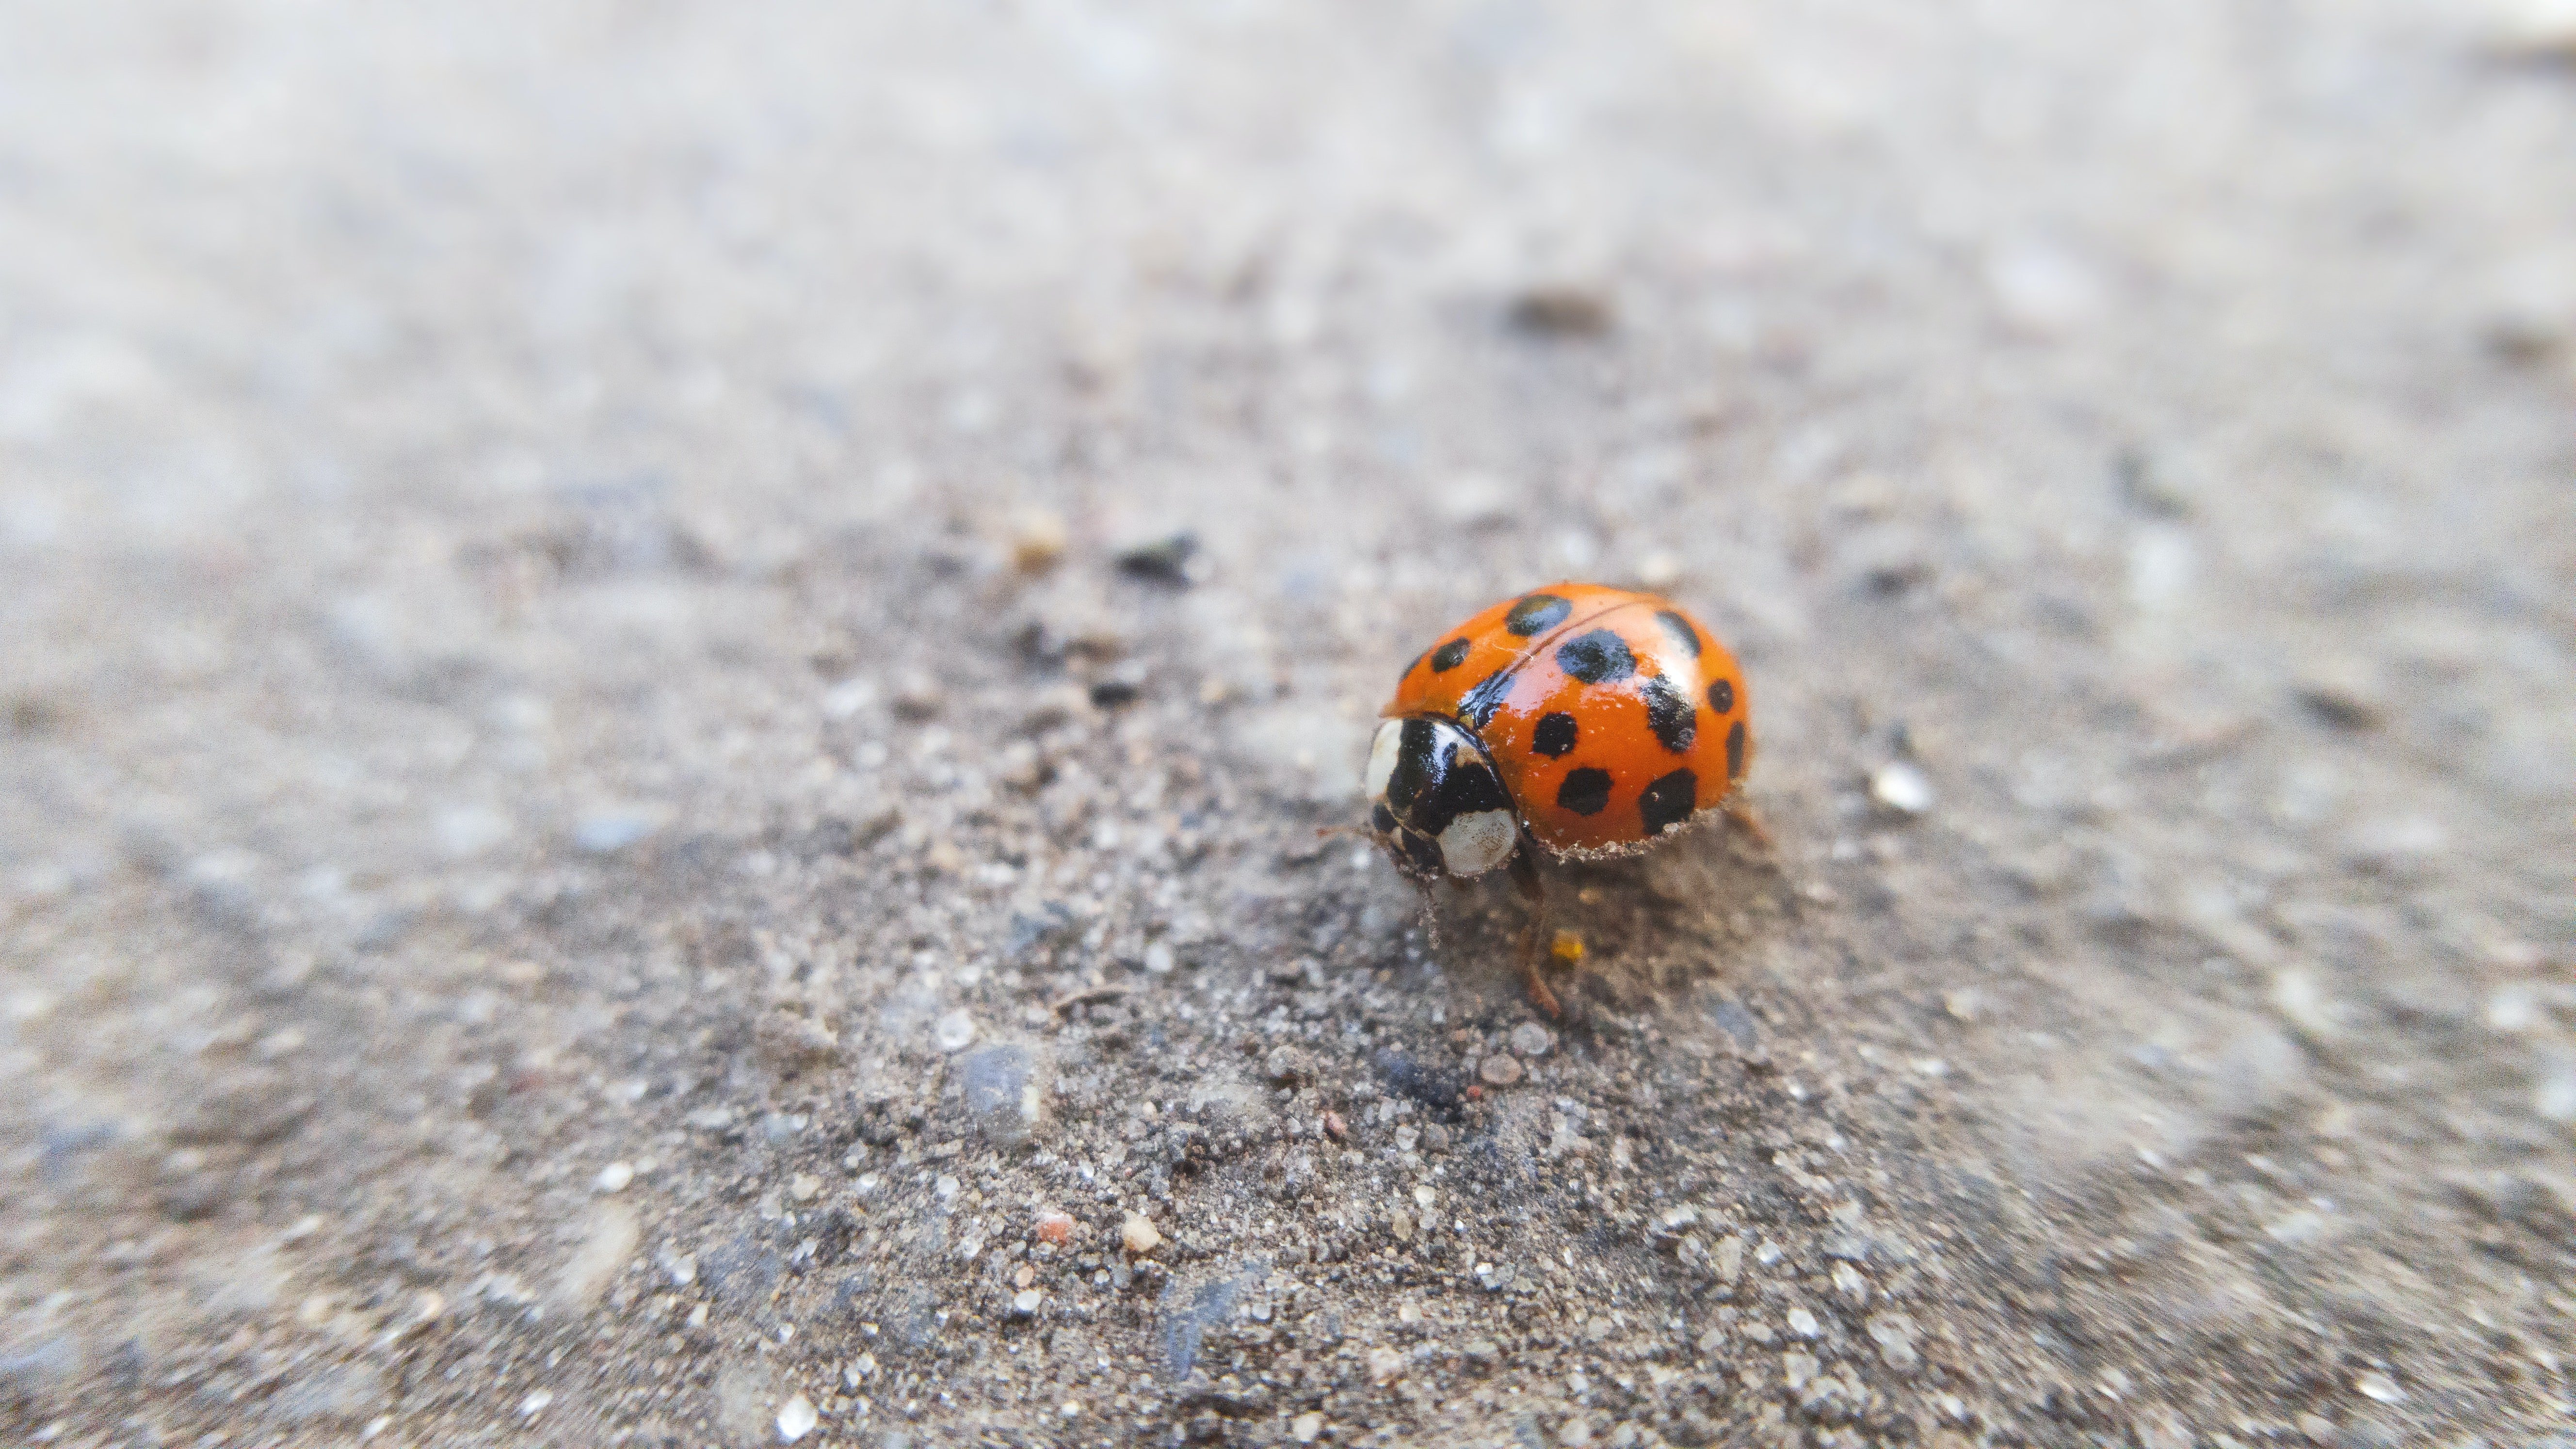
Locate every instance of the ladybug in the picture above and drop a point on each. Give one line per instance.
(1580, 720)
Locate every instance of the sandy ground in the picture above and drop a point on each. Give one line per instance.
(596, 847)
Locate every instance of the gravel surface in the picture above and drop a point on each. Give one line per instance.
(670, 678)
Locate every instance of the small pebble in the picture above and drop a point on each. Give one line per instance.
(1158, 958)
(796, 1419)
(1894, 1335)
(2380, 1388)
(1797, 1368)
(1399, 1223)
(805, 1187)
(790, 1041)
(1728, 1258)
(1386, 1364)
(1025, 1302)
(612, 830)
(607, 1242)
(1561, 311)
(535, 1404)
(2344, 693)
(1139, 1235)
(1500, 1070)
(615, 1176)
(2553, 1093)
(1306, 1427)
(2042, 289)
(1850, 1283)
(918, 697)
(2536, 29)
(1575, 1432)
(1169, 560)
(2302, 1004)
(1900, 787)
(1532, 1040)
(953, 1032)
(848, 697)
(1038, 540)
(1005, 1091)
(1803, 1323)
(1055, 1227)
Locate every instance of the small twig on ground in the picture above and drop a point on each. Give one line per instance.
(1089, 995)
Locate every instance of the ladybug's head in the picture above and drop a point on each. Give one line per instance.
(1435, 803)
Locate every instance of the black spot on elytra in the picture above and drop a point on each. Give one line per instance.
(1448, 656)
(1721, 695)
(1674, 718)
(1478, 707)
(1680, 628)
(1413, 763)
(1586, 791)
(1381, 819)
(1669, 801)
(1596, 656)
(1555, 735)
(1538, 611)
(1735, 752)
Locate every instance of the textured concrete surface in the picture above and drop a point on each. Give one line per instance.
(596, 847)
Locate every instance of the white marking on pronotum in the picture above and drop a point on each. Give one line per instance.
(1382, 752)
(1474, 844)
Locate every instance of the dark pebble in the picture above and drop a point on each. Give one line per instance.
(1163, 561)
(1560, 311)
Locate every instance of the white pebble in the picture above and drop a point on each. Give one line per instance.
(2302, 1003)
(2380, 1388)
(1900, 787)
(953, 1031)
(1894, 1335)
(1532, 1040)
(2554, 1096)
(2513, 1009)
(2537, 29)
(1158, 958)
(1139, 1235)
(615, 1176)
(796, 1419)
(1306, 1427)
(1803, 1323)
(1849, 1282)
(535, 1404)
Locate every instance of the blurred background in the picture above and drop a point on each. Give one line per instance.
(578, 578)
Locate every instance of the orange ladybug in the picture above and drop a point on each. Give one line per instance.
(1584, 720)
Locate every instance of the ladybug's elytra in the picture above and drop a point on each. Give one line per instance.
(1583, 720)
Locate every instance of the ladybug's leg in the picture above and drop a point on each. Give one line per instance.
(1534, 936)
(1740, 810)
